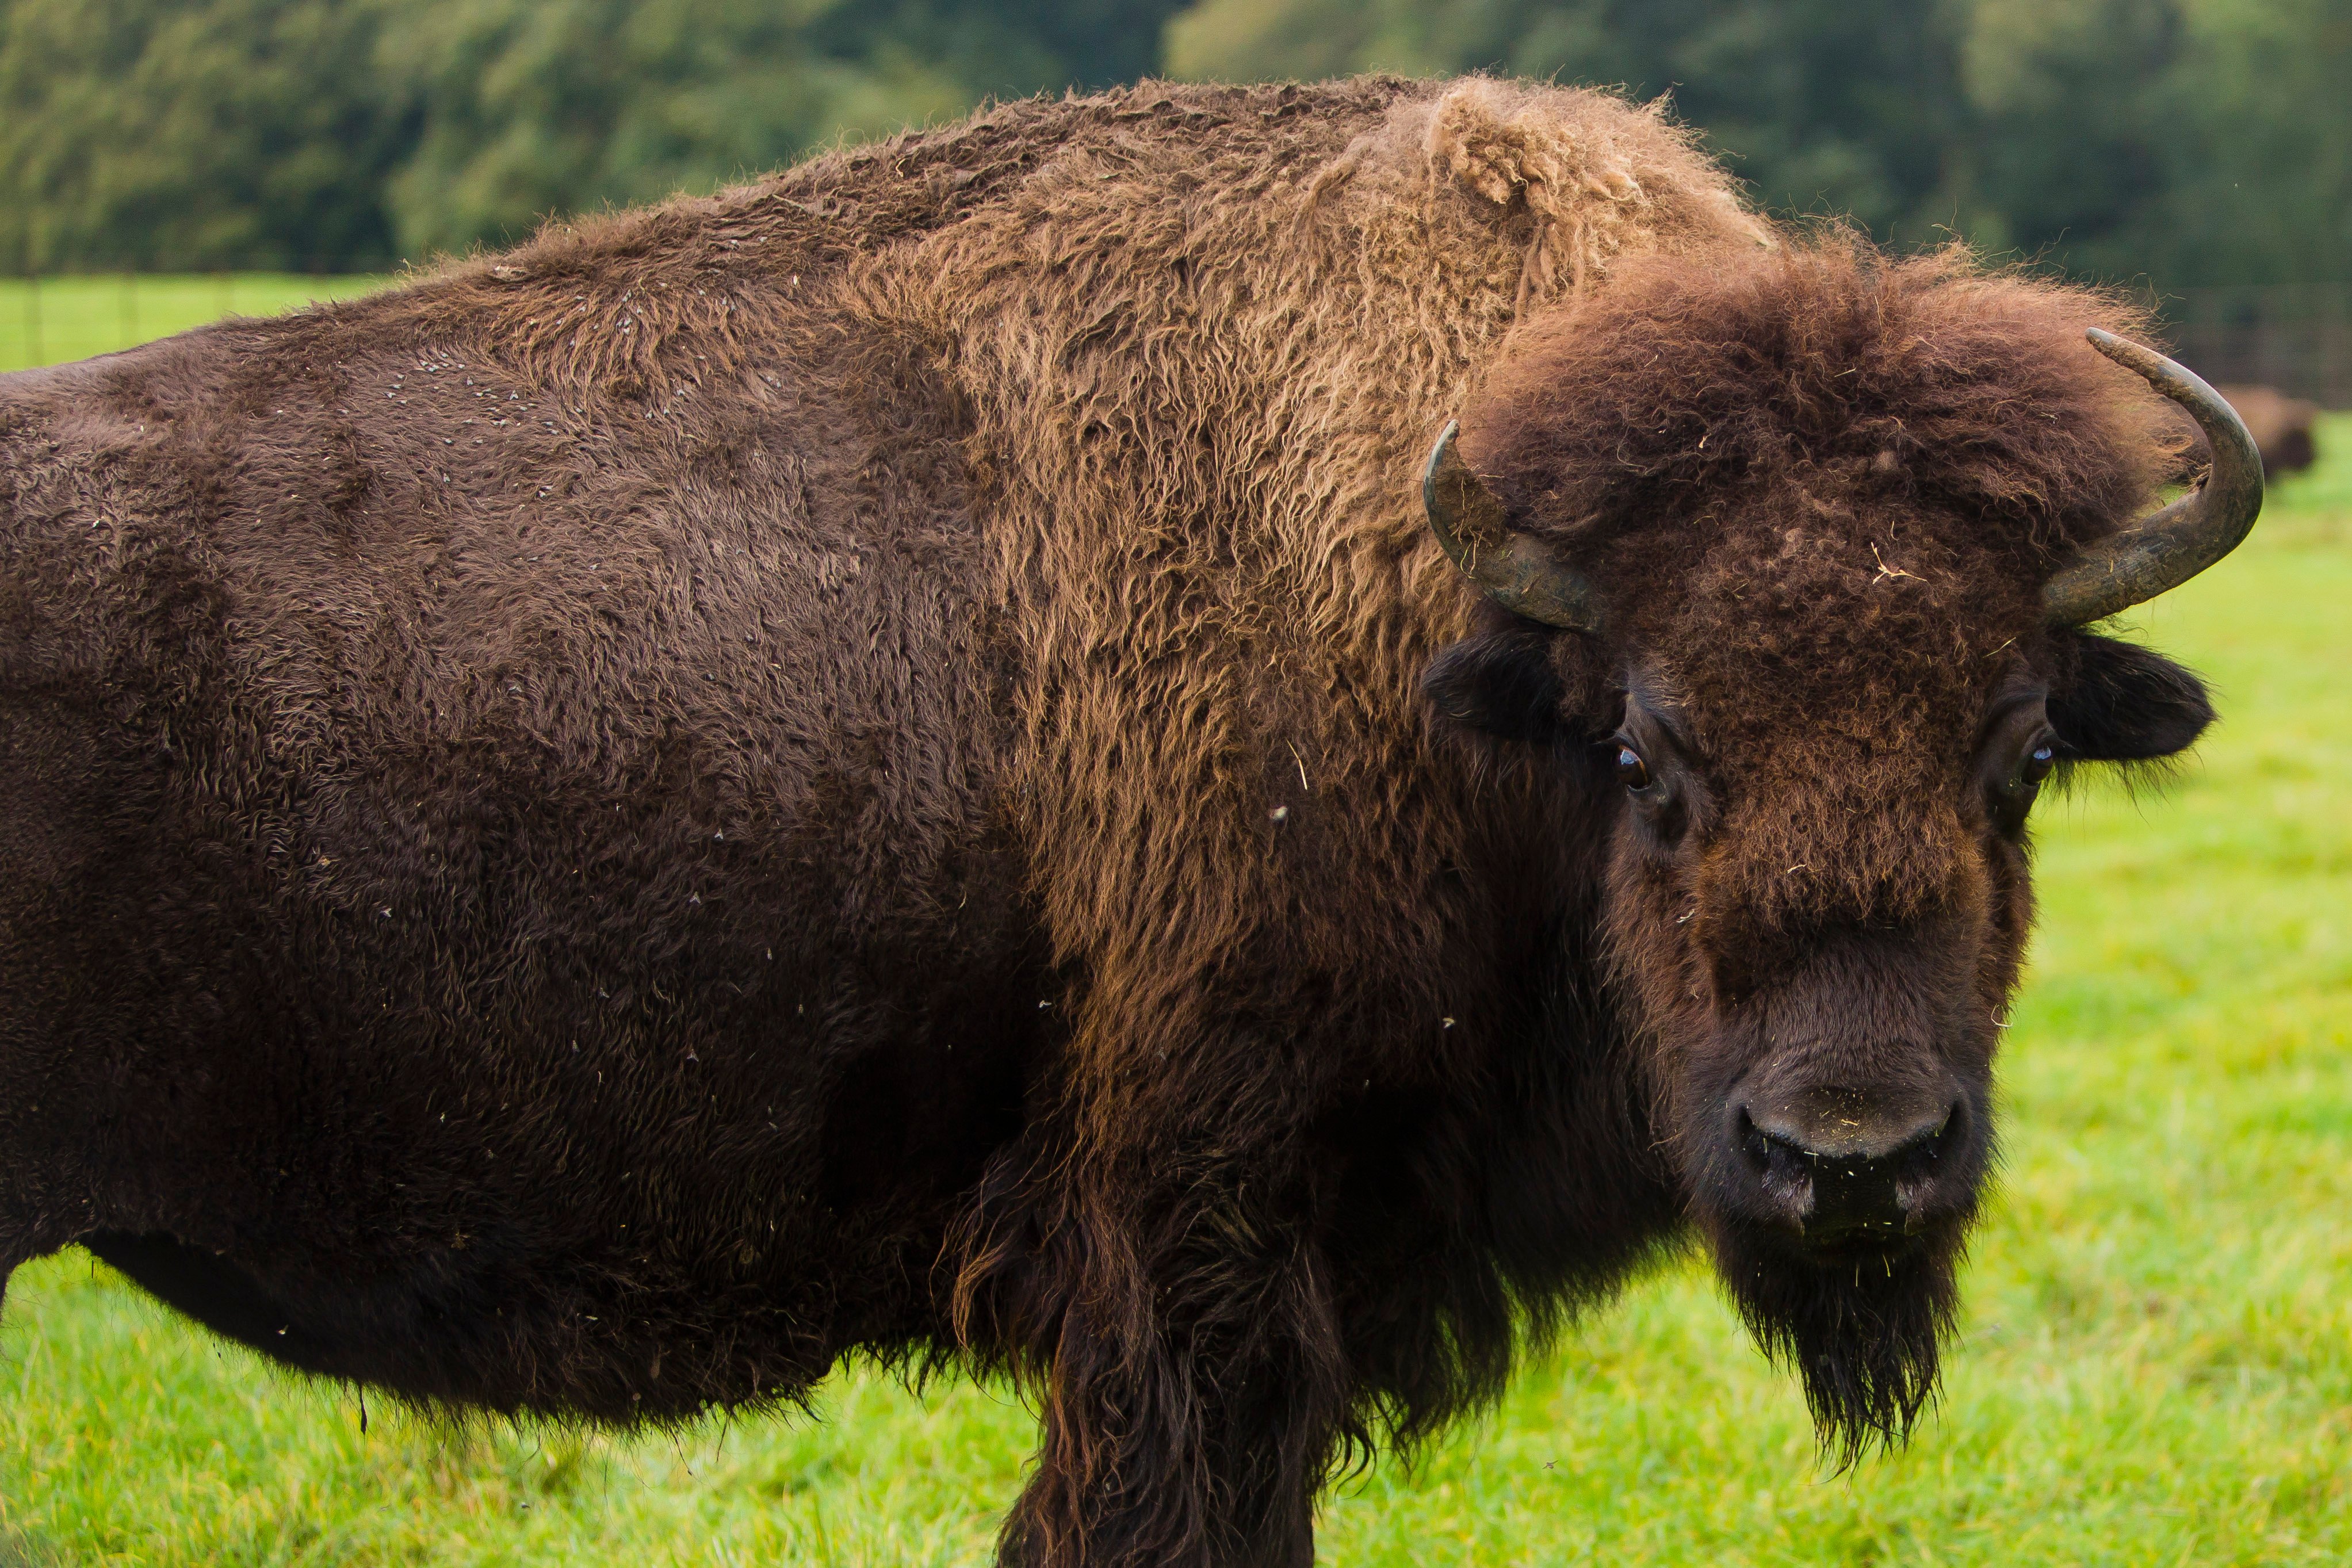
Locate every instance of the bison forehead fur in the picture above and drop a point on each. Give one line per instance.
(1822, 492)
(844, 766)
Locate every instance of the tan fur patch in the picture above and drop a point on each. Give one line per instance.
(1576, 162)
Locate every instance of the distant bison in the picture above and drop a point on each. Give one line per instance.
(2281, 427)
(887, 760)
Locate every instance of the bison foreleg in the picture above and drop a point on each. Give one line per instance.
(1195, 1394)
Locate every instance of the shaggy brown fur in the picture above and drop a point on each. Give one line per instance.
(1820, 492)
(841, 766)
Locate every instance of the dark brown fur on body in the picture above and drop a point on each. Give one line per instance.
(845, 766)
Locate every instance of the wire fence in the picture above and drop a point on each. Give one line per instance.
(2297, 338)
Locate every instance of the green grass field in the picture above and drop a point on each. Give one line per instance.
(2156, 1365)
(51, 319)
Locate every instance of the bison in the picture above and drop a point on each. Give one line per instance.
(909, 759)
(2281, 427)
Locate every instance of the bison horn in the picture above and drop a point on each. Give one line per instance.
(2167, 548)
(1510, 568)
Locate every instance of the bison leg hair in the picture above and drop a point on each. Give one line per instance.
(1195, 1384)
(1164, 1461)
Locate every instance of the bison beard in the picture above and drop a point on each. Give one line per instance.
(1865, 1338)
(844, 768)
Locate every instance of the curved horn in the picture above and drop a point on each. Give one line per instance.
(2167, 548)
(1510, 568)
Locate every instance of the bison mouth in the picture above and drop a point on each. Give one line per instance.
(1837, 1205)
(1841, 1256)
(1860, 1195)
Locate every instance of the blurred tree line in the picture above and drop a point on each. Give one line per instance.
(346, 135)
(2195, 141)
(2189, 141)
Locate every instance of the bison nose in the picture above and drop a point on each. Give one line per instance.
(1843, 1165)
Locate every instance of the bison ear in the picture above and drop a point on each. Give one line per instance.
(2117, 703)
(1501, 683)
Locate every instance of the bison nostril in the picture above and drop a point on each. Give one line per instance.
(1783, 1167)
(1771, 1151)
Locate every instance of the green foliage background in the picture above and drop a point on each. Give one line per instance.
(2188, 142)
(346, 135)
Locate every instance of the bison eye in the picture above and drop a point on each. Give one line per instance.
(1632, 771)
(2037, 763)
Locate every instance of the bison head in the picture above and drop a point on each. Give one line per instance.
(1793, 558)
